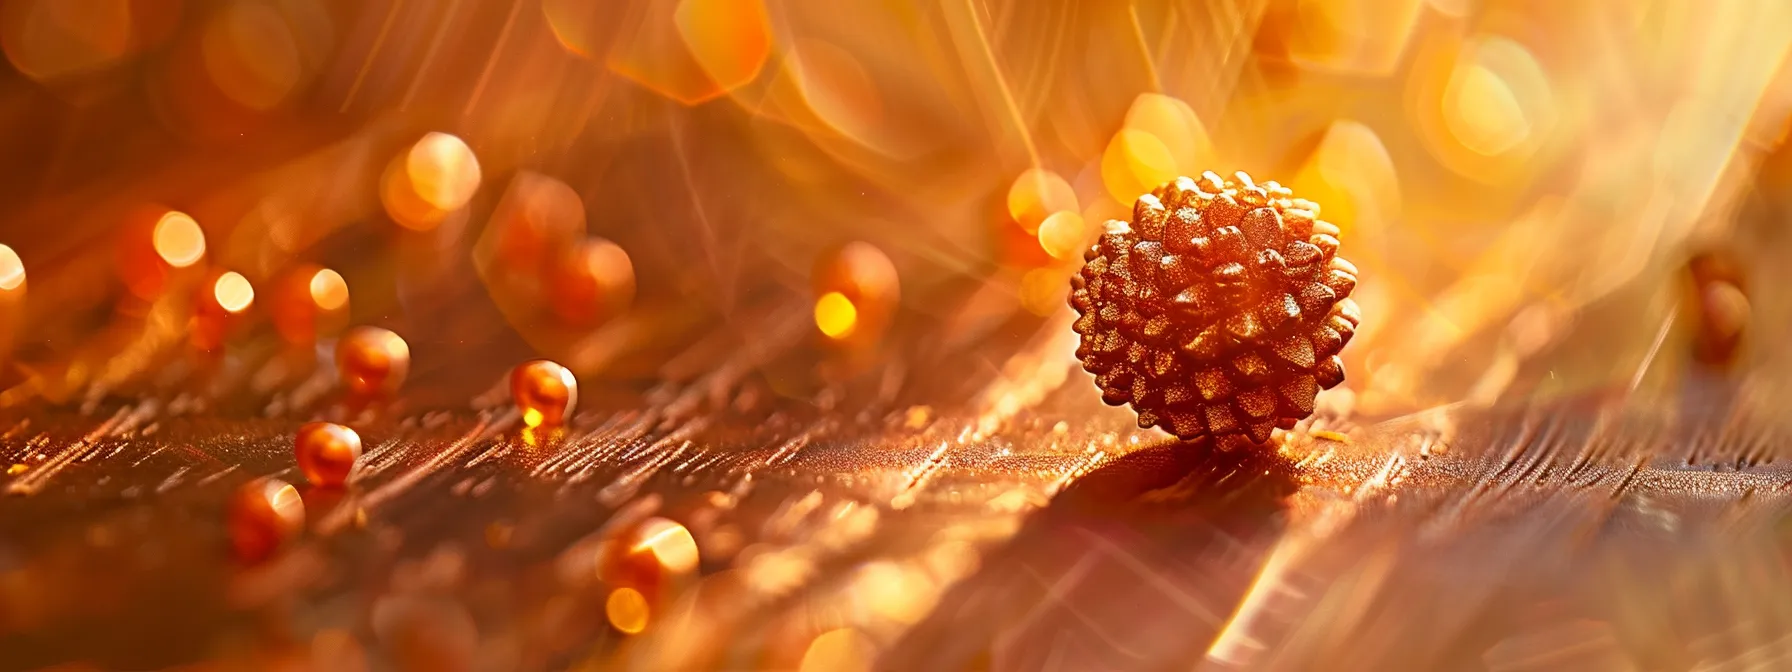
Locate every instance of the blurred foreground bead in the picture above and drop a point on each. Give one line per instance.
(592, 283)
(1218, 311)
(327, 453)
(372, 361)
(1720, 308)
(545, 392)
(265, 514)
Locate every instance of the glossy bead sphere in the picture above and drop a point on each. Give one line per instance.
(327, 453)
(545, 392)
(372, 361)
(264, 515)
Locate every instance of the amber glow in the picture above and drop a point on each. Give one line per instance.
(1036, 194)
(52, 39)
(252, 55)
(443, 171)
(1063, 235)
(12, 269)
(842, 650)
(233, 292)
(627, 610)
(835, 315)
(328, 290)
(179, 240)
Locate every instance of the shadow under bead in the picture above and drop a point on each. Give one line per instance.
(1218, 311)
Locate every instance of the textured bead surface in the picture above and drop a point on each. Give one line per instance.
(1219, 310)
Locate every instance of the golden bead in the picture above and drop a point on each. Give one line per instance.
(264, 515)
(372, 361)
(544, 391)
(327, 453)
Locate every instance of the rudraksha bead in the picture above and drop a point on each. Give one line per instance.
(1218, 311)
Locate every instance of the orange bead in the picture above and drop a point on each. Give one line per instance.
(372, 361)
(327, 453)
(265, 514)
(544, 391)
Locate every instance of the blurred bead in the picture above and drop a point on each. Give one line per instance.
(372, 361)
(627, 610)
(264, 515)
(221, 300)
(841, 650)
(431, 179)
(12, 270)
(694, 50)
(1064, 235)
(545, 392)
(308, 301)
(1720, 308)
(592, 282)
(12, 298)
(537, 218)
(326, 453)
(1036, 194)
(422, 632)
(856, 291)
(1174, 124)
(1134, 162)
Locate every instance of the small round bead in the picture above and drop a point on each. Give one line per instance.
(264, 515)
(327, 453)
(372, 361)
(544, 391)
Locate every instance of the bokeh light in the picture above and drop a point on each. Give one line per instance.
(835, 315)
(593, 282)
(1135, 162)
(856, 290)
(12, 269)
(179, 240)
(49, 40)
(695, 50)
(627, 610)
(327, 289)
(1036, 194)
(443, 171)
(429, 181)
(233, 292)
(840, 650)
(252, 55)
(1064, 235)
